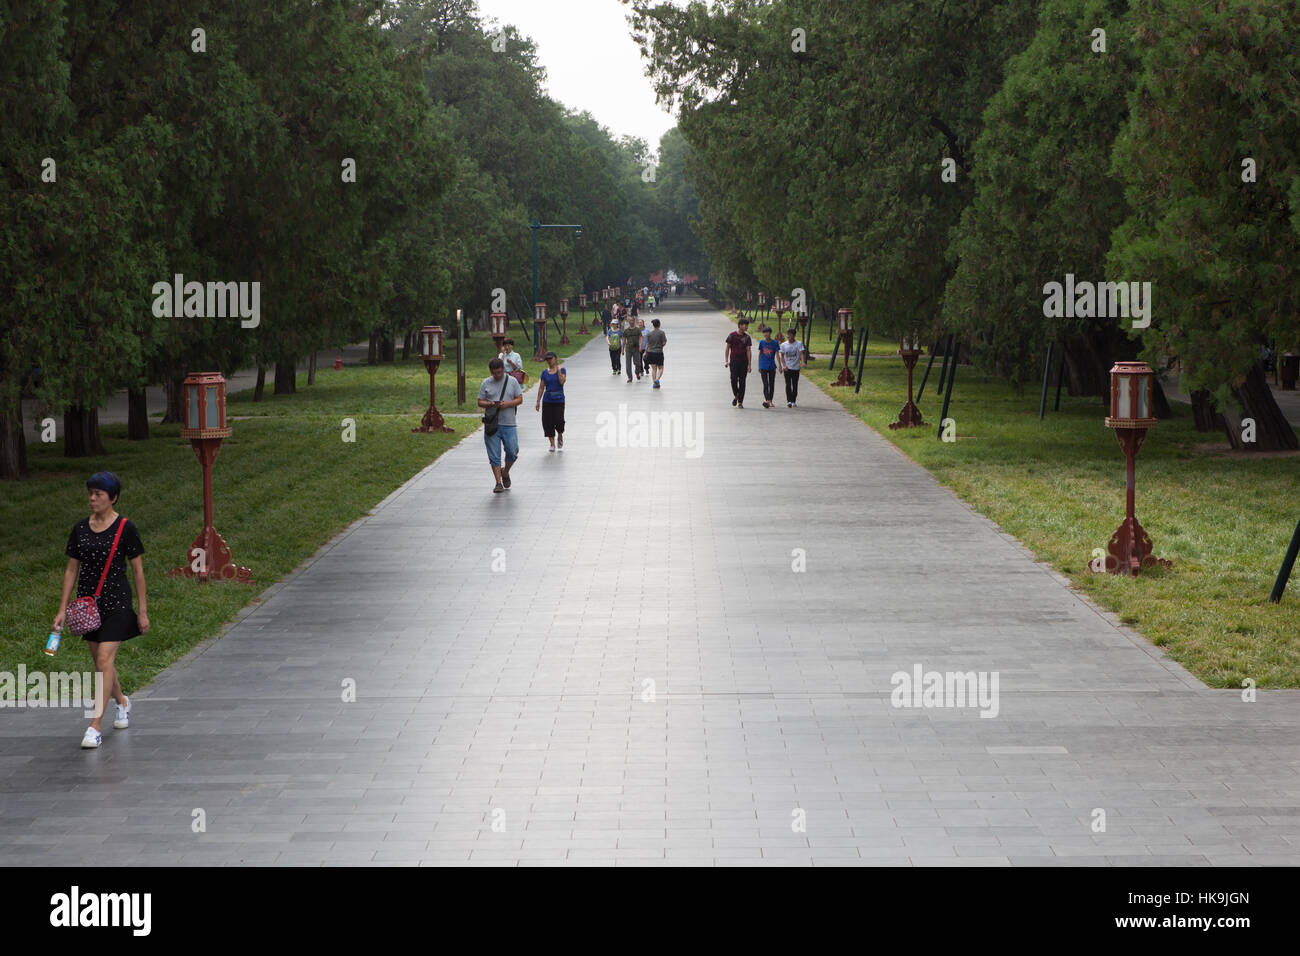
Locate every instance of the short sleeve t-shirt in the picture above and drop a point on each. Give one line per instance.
(739, 341)
(514, 361)
(614, 339)
(791, 352)
(554, 391)
(656, 340)
(767, 349)
(91, 548)
(491, 390)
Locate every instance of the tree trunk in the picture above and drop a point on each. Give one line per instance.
(137, 414)
(174, 389)
(388, 347)
(1160, 401)
(372, 355)
(81, 433)
(1203, 412)
(1272, 431)
(260, 387)
(311, 368)
(286, 378)
(13, 445)
(406, 346)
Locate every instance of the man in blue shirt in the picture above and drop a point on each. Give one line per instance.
(767, 350)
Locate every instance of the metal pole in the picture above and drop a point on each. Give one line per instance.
(534, 226)
(934, 350)
(862, 351)
(947, 356)
(460, 357)
(947, 396)
(1288, 563)
(834, 352)
(1047, 370)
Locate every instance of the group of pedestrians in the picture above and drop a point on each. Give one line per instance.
(787, 357)
(641, 348)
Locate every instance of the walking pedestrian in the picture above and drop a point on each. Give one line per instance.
(768, 348)
(645, 333)
(514, 361)
(614, 339)
(550, 399)
(604, 320)
(736, 356)
(500, 395)
(99, 549)
(632, 349)
(792, 356)
(655, 342)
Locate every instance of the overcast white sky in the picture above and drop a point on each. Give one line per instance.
(591, 62)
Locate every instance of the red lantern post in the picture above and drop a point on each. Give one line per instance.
(539, 320)
(431, 352)
(206, 427)
(846, 337)
(582, 316)
(564, 321)
(910, 416)
(1130, 548)
(500, 323)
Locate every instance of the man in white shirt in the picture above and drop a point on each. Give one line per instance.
(793, 360)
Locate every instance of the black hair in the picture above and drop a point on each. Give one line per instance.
(495, 364)
(655, 323)
(106, 482)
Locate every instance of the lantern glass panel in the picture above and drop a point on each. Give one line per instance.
(192, 406)
(1143, 390)
(1124, 408)
(212, 409)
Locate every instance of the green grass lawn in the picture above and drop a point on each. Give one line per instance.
(284, 484)
(1058, 485)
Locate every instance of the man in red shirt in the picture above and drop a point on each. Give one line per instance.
(736, 356)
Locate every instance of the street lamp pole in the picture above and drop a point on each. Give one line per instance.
(534, 226)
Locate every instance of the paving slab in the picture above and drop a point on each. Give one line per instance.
(679, 655)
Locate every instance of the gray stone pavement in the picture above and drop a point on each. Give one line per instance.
(508, 717)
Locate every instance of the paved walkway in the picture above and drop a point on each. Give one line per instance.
(507, 717)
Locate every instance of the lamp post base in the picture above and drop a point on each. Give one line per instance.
(214, 561)
(432, 422)
(909, 417)
(1130, 550)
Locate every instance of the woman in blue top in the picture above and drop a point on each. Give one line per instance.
(767, 350)
(550, 399)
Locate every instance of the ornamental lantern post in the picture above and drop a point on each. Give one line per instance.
(431, 352)
(499, 323)
(539, 320)
(845, 317)
(779, 306)
(910, 416)
(582, 315)
(206, 427)
(1130, 415)
(564, 319)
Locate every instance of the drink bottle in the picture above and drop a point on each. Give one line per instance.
(52, 644)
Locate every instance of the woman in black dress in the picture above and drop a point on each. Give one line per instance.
(88, 547)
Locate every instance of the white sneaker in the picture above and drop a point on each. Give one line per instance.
(92, 739)
(122, 721)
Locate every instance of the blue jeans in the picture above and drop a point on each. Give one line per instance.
(507, 435)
